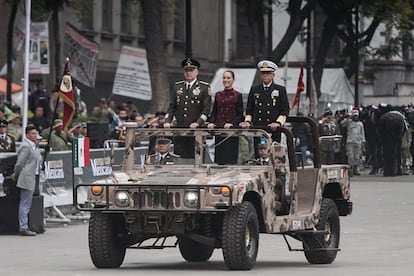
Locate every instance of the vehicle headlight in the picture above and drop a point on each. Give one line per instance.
(191, 199)
(122, 199)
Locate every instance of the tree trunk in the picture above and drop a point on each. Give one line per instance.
(328, 34)
(348, 52)
(152, 11)
(10, 54)
(297, 16)
(256, 23)
(56, 36)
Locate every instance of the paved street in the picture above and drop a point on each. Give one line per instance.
(376, 240)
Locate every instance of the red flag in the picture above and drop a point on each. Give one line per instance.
(300, 88)
(67, 95)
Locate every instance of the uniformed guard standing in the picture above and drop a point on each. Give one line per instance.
(267, 103)
(162, 156)
(329, 146)
(189, 105)
(7, 142)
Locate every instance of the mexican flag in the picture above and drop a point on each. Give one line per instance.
(81, 152)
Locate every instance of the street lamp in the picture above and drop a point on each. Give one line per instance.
(356, 99)
(188, 44)
(269, 29)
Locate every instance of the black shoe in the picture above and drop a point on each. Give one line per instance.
(27, 233)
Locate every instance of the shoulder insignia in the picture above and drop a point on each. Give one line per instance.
(205, 83)
(174, 155)
(179, 82)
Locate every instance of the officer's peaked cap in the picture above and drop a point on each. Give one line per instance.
(190, 63)
(3, 123)
(266, 66)
(163, 140)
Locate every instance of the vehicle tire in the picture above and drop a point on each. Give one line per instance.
(240, 237)
(328, 221)
(105, 246)
(193, 251)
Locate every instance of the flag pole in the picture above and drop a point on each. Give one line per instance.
(49, 136)
(26, 67)
(299, 89)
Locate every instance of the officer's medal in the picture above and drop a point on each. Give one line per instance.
(274, 94)
(196, 91)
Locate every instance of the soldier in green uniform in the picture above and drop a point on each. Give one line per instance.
(14, 128)
(7, 142)
(162, 156)
(189, 105)
(59, 139)
(329, 146)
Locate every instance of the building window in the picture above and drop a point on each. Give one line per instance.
(126, 16)
(107, 16)
(141, 31)
(86, 15)
(179, 24)
(244, 38)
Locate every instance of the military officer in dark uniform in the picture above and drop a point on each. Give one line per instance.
(267, 103)
(7, 142)
(162, 156)
(189, 105)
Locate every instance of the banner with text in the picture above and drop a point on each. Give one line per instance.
(83, 55)
(132, 77)
(39, 48)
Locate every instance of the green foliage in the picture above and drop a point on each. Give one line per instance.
(387, 51)
(397, 13)
(397, 16)
(42, 8)
(83, 9)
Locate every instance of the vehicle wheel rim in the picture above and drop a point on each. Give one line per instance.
(247, 238)
(328, 232)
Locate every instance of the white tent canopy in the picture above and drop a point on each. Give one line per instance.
(336, 91)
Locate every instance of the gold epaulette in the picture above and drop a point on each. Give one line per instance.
(174, 155)
(205, 83)
(179, 82)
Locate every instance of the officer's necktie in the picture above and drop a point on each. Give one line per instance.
(187, 88)
(264, 162)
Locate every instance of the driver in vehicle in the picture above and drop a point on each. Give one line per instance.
(263, 158)
(162, 156)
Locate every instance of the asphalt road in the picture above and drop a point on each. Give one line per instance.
(376, 240)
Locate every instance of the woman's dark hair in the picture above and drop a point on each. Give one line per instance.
(229, 71)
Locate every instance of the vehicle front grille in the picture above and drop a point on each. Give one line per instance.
(157, 199)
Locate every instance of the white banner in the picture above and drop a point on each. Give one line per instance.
(132, 77)
(83, 55)
(39, 48)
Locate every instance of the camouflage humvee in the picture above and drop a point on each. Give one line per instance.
(200, 206)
